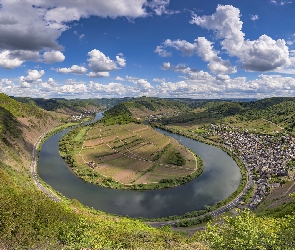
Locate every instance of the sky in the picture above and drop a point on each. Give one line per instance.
(161, 48)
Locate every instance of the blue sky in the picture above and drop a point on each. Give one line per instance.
(164, 48)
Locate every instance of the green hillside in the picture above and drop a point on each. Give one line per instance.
(143, 108)
(30, 220)
(58, 104)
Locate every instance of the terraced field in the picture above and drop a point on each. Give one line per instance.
(133, 154)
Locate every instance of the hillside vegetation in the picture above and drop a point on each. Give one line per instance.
(20, 126)
(278, 110)
(60, 104)
(30, 220)
(143, 108)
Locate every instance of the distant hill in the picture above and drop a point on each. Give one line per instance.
(60, 104)
(144, 108)
(279, 110)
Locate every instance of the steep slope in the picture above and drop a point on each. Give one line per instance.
(20, 126)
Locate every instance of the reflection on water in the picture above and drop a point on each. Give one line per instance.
(221, 177)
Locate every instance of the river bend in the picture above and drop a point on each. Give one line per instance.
(220, 178)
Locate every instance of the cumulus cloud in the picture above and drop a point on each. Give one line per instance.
(101, 65)
(263, 54)
(142, 84)
(199, 84)
(208, 54)
(5, 81)
(109, 90)
(162, 52)
(75, 69)
(185, 47)
(203, 48)
(35, 25)
(24, 28)
(33, 75)
(166, 65)
(98, 74)
(53, 56)
(8, 62)
(118, 78)
(121, 60)
(98, 62)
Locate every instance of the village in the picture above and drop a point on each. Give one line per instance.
(83, 115)
(264, 156)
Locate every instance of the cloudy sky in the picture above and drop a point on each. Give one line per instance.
(164, 48)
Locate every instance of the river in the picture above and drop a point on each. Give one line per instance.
(220, 178)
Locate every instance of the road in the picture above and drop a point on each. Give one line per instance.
(35, 175)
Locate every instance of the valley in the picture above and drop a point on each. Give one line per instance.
(68, 224)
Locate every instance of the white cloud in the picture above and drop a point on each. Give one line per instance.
(23, 83)
(75, 69)
(11, 59)
(25, 28)
(118, 78)
(208, 54)
(159, 80)
(143, 85)
(203, 48)
(199, 84)
(263, 54)
(101, 65)
(98, 74)
(7, 62)
(98, 62)
(185, 47)
(36, 24)
(166, 65)
(109, 90)
(33, 75)
(53, 56)
(121, 60)
(254, 17)
(6, 81)
(162, 52)
(178, 68)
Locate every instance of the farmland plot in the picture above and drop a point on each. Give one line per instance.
(134, 154)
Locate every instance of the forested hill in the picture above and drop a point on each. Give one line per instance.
(61, 105)
(279, 110)
(144, 108)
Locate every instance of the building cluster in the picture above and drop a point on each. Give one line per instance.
(80, 117)
(265, 156)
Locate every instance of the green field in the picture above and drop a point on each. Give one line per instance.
(130, 154)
